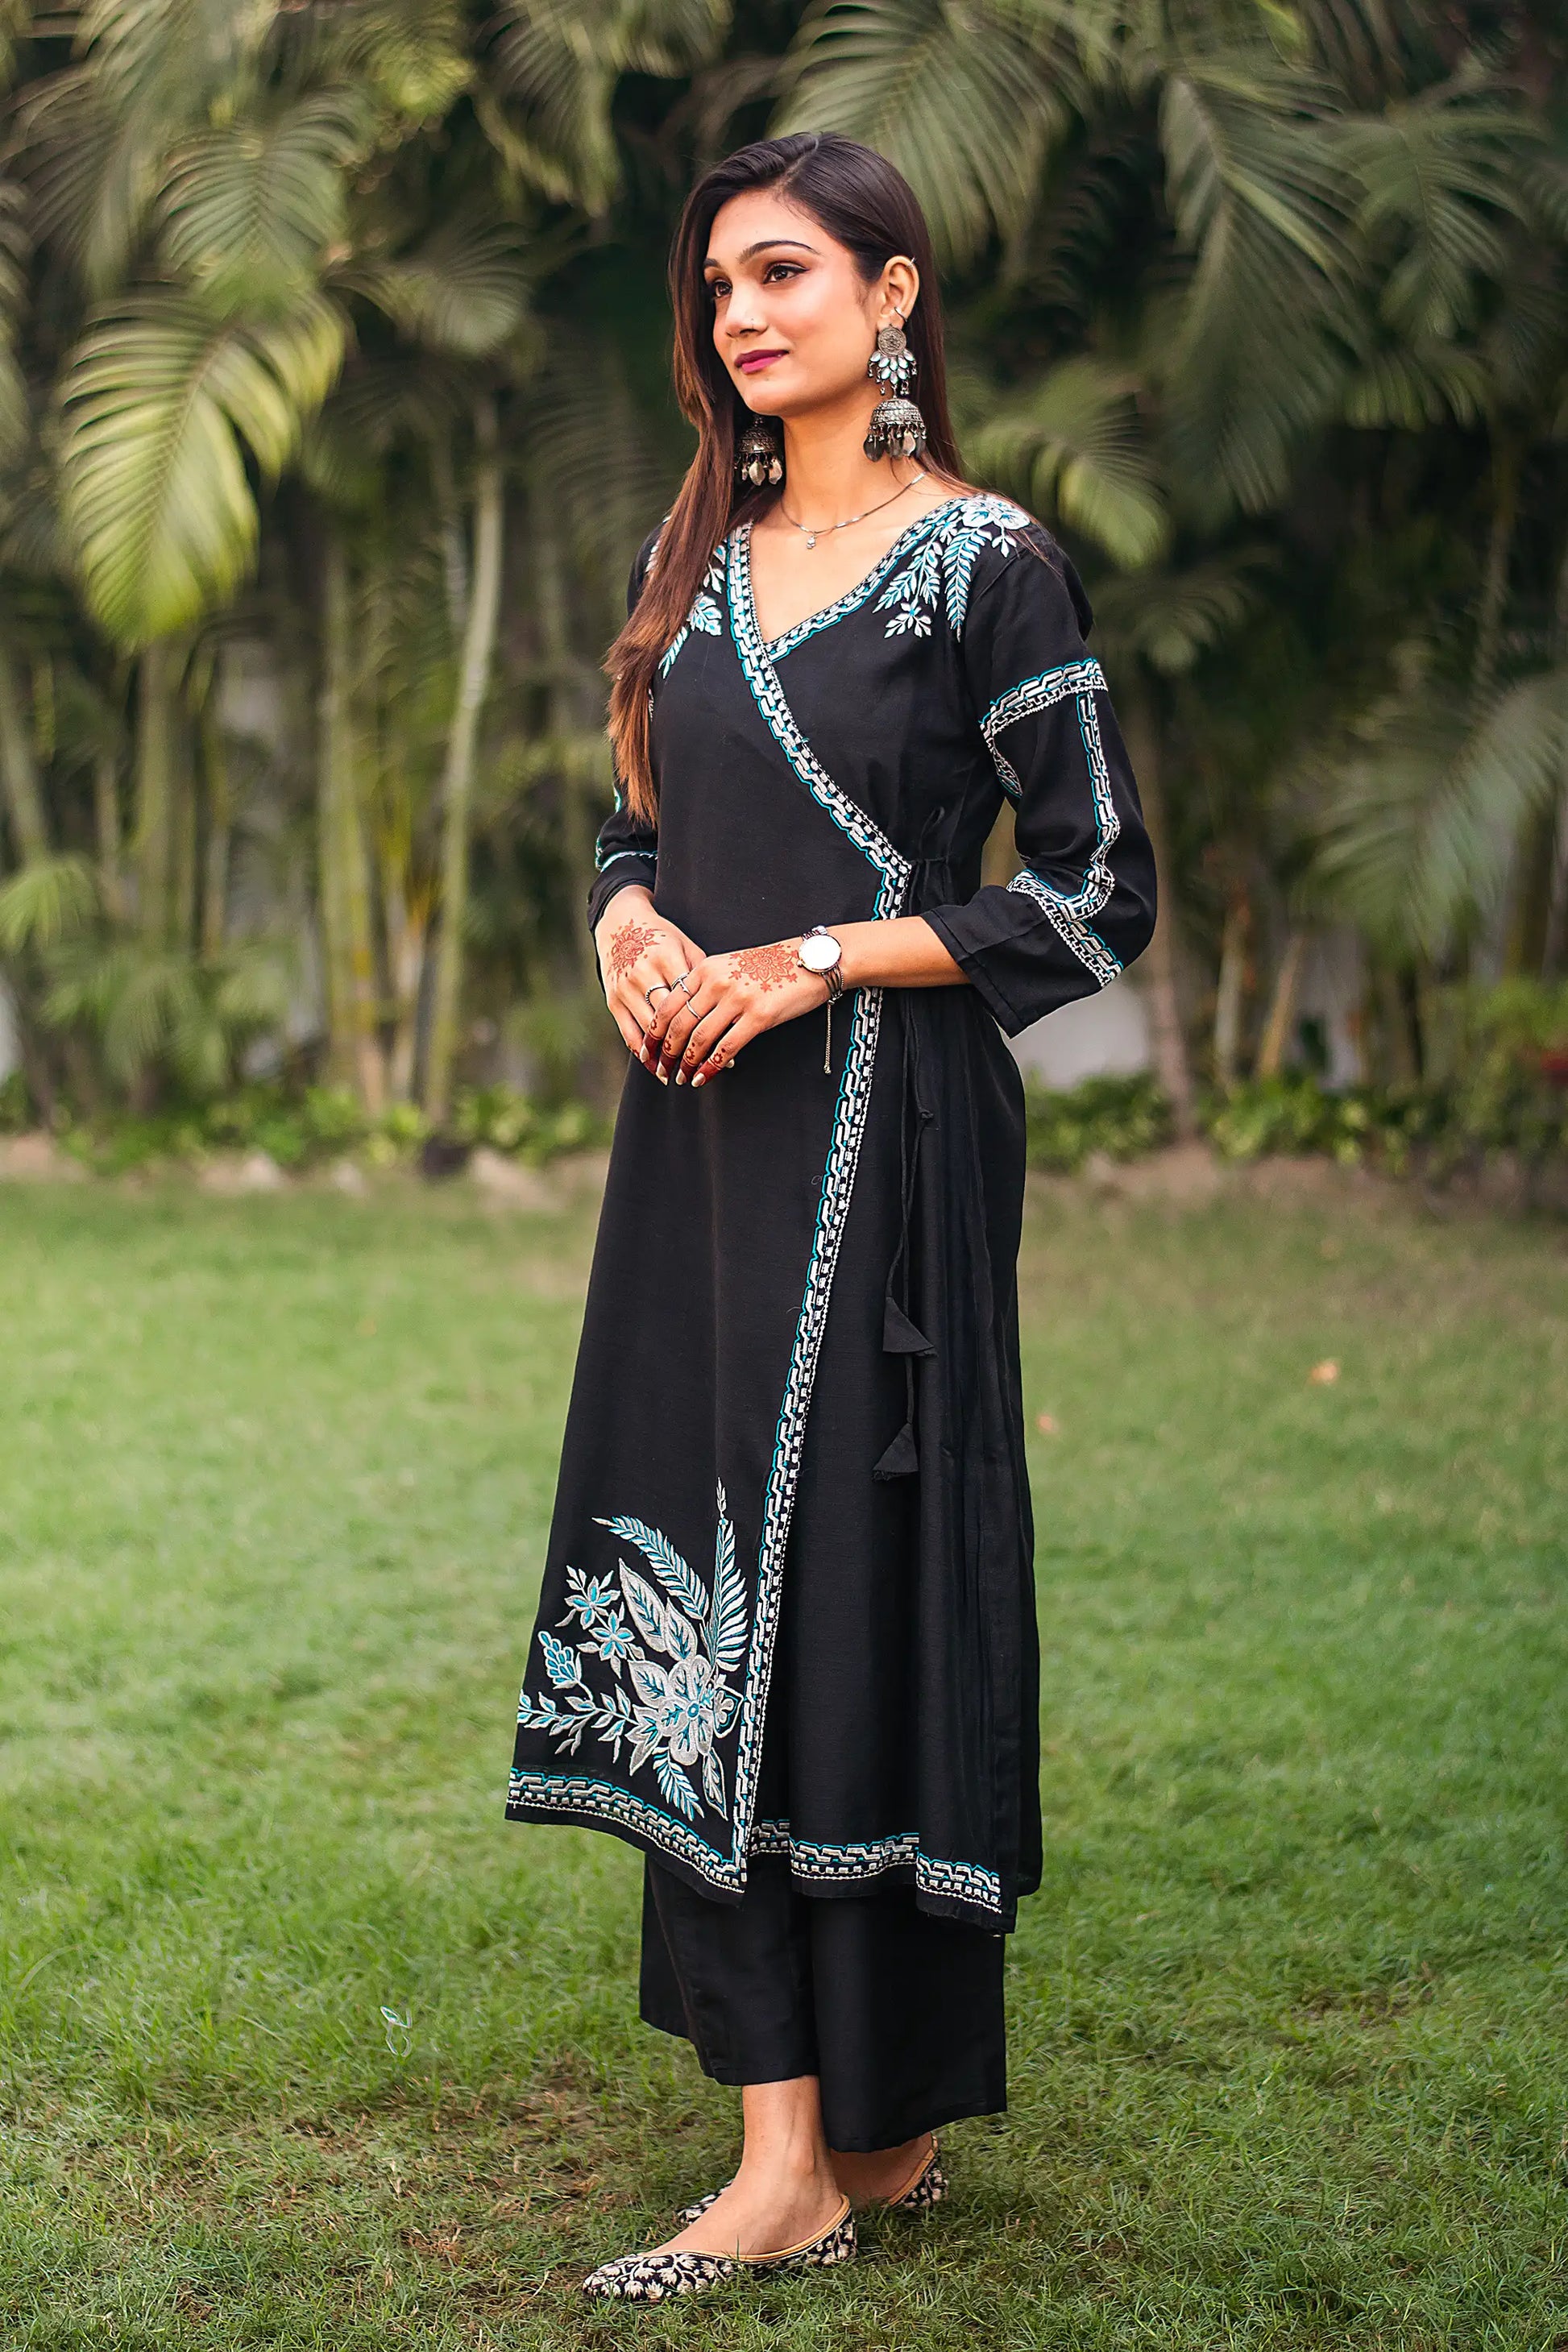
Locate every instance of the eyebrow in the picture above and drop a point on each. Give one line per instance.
(762, 245)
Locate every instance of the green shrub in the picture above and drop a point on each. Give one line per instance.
(16, 1113)
(1121, 1116)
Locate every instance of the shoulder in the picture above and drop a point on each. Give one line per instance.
(1019, 564)
(980, 553)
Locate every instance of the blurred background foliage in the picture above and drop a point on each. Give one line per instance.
(333, 403)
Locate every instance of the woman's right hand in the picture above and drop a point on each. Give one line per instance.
(639, 950)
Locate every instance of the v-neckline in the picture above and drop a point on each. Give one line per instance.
(842, 606)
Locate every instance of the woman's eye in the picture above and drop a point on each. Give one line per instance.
(717, 286)
(779, 270)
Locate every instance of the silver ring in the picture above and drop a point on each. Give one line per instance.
(680, 983)
(659, 988)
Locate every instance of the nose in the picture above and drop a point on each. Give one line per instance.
(740, 317)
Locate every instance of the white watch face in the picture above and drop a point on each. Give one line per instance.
(818, 953)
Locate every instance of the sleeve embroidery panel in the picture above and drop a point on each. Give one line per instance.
(1067, 912)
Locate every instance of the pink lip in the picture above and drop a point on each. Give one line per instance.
(755, 360)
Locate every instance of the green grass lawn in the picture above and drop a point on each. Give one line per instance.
(1289, 2015)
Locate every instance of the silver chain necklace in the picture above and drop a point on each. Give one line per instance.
(826, 531)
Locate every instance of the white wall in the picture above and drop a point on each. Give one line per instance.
(1102, 1036)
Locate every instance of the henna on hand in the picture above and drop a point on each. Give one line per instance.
(770, 967)
(630, 942)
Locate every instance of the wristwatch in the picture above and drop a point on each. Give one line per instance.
(820, 952)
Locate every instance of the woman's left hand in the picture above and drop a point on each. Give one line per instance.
(727, 999)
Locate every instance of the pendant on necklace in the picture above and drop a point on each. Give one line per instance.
(811, 539)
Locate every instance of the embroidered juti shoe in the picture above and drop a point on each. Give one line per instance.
(926, 2187)
(653, 2278)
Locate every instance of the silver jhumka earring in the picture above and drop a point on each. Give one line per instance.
(758, 457)
(897, 429)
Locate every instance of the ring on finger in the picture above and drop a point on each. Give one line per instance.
(659, 988)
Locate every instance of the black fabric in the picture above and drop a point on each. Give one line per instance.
(899, 2015)
(800, 1340)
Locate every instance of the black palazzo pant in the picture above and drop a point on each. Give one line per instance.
(900, 2015)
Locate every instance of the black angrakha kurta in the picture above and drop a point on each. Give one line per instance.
(793, 1486)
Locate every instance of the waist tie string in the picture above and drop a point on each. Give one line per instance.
(932, 884)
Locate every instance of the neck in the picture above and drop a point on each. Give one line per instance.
(828, 474)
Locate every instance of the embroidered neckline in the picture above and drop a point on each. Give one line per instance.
(853, 598)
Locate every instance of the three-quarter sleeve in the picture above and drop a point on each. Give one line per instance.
(627, 849)
(1081, 906)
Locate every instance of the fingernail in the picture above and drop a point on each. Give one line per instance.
(697, 1081)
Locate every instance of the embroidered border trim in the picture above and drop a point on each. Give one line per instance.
(838, 1175)
(1069, 912)
(1027, 699)
(577, 1794)
(966, 1882)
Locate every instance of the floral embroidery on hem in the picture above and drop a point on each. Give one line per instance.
(673, 1714)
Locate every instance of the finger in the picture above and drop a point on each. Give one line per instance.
(683, 1016)
(667, 1007)
(631, 1036)
(669, 1013)
(703, 1036)
(721, 1054)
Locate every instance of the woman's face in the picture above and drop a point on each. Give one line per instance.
(794, 320)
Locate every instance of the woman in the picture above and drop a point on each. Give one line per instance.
(786, 1644)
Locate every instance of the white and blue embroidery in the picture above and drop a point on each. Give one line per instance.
(706, 616)
(942, 564)
(1027, 700)
(673, 1713)
(810, 1859)
(1069, 911)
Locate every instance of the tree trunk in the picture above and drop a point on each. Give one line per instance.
(458, 775)
(23, 791)
(106, 816)
(155, 790)
(579, 817)
(1494, 578)
(182, 922)
(1172, 1065)
(220, 823)
(1282, 1011)
(354, 1055)
(1230, 994)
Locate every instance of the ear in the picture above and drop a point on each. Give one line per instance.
(899, 288)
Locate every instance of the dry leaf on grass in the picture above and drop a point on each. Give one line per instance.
(1046, 1422)
(1325, 1374)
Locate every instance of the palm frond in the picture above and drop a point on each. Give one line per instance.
(249, 211)
(1406, 389)
(965, 100)
(1439, 177)
(554, 65)
(45, 902)
(1070, 445)
(1261, 200)
(464, 291)
(1170, 619)
(411, 54)
(159, 404)
(1422, 815)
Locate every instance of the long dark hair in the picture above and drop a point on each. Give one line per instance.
(865, 204)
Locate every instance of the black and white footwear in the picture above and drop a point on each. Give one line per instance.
(653, 2278)
(928, 2188)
